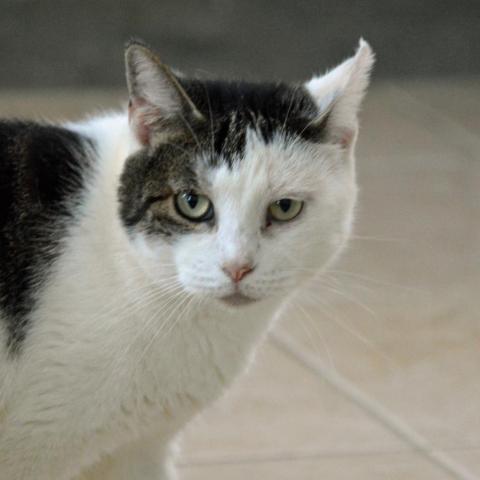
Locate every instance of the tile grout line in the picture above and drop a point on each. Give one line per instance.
(374, 409)
(288, 456)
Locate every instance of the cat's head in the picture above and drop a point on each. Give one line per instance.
(240, 190)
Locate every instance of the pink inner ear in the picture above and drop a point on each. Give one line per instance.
(138, 116)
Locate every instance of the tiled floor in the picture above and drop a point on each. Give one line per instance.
(373, 374)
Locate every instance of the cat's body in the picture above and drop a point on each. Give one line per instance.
(115, 329)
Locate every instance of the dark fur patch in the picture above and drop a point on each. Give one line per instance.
(148, 183)
(42, 172)
(268, 108)
(229, 109)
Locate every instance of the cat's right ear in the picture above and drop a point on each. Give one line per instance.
(338, 95)
(157, 102)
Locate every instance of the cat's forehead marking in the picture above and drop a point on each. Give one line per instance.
(233, 108)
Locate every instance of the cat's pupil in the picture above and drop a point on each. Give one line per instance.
(192, 200)
(285, 204)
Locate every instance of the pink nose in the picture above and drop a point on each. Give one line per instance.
(236, 272)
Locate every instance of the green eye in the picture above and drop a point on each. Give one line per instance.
(194, 207)
(285, 209)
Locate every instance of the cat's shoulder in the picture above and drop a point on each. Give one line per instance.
(40, 163)
(43, 173)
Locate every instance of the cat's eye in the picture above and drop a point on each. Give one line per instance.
(285, 209)
(195, 207)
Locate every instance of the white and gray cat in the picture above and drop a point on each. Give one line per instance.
(144, 254)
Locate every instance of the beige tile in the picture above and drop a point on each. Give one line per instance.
(456, 99)
(469, 457)
(370, 467)
(417, 312)
(279, 409)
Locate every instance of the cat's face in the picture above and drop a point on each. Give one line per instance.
(279, 216)
(241, 191)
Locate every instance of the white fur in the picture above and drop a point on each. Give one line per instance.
(342, 90)
(129, 339)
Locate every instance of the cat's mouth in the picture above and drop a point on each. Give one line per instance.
(238, 299)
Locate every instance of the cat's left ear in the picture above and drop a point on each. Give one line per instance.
(339, 93)
(158, 102)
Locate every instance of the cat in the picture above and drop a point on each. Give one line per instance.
(144, 254)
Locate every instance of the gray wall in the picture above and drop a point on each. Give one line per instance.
(79, 42)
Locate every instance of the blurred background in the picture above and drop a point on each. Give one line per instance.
(46, 43)
(372, 373)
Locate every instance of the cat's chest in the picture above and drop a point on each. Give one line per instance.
(196, 359)
(179, 374)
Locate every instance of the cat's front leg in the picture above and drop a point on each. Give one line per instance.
(146, 459)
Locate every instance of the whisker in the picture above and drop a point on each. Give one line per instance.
(172, 295)
(378, 239)
(319, 334)
(191, 130)
(212, 139)
(333, 316)
(373, 280)
(292, 98)
(348, 297)
(157, 334)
